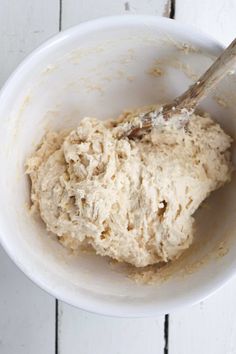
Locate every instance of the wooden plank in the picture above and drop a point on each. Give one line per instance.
(216, 18)
(74, 12)
(27, 313)
(27, 320)
(24, 25)
(83, 332)
(210, 326)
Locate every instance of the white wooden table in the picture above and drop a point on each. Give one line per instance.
(31, 321)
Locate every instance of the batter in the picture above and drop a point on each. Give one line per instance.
(132, 200)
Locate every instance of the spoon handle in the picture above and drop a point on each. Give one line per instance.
(200, 89)
(188, 101)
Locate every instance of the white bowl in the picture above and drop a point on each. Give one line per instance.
(97, 69)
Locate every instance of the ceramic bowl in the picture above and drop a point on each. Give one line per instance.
(100, 68)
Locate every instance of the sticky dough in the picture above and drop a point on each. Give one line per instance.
(131, 200)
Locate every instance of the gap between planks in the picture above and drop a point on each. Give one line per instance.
(166, 334)
(56, 326)
(172, 9)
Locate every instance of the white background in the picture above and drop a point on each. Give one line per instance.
(31, 321)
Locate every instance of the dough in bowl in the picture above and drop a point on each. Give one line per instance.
(131, 200)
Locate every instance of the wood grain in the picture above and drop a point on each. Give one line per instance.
(74, 12)
(206, 328)
(86, 333)
(27, 314)
(24, 24)
(217, 18)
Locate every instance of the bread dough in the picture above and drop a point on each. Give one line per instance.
(132, 200)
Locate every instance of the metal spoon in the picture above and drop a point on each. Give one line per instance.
(187, 102)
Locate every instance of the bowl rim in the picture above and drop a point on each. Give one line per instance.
(97, 306)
